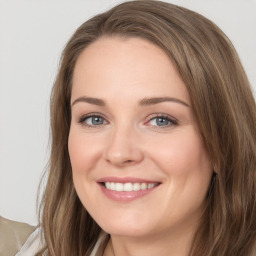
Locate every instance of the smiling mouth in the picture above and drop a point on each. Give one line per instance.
(128, 187)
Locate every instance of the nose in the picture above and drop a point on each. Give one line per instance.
(123, 148)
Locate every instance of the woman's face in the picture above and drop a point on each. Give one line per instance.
(139, 165)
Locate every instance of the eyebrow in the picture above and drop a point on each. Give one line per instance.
(157, 100)
(143, 102)
(90, 100)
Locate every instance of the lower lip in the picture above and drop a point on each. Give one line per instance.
(126, 196)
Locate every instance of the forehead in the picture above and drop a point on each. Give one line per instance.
(130, 66)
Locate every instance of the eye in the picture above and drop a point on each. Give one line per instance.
(162, 121)
(93, 120)
(159, 121)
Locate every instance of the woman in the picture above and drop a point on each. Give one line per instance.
(153, 139)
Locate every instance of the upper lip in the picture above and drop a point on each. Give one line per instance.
(125, 180)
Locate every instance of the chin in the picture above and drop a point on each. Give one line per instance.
(125, 228)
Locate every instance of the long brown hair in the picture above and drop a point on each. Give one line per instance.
(224, 109)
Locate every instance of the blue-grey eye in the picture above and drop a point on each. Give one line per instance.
(94, 120)
(160, 121)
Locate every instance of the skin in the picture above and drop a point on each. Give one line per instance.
(129, 142)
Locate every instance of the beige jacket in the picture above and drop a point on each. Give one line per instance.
(21, 239)
(12, 236)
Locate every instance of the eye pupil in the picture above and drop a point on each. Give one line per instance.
(162, 121)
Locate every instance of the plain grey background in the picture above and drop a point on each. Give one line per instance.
(32, 36)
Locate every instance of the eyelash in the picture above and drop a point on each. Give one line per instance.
(171, 121)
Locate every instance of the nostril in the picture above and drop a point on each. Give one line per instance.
(127, 162)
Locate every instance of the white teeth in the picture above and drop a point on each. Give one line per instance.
(143, 186)
(129, 186)
(150, 185)
(119, 187)
(107, 185)
(136, 186)
(112, 186)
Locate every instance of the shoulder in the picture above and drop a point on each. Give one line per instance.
(13, 235)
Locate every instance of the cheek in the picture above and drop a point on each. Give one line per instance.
(83, 152)
(184, 151)
(187, 170)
